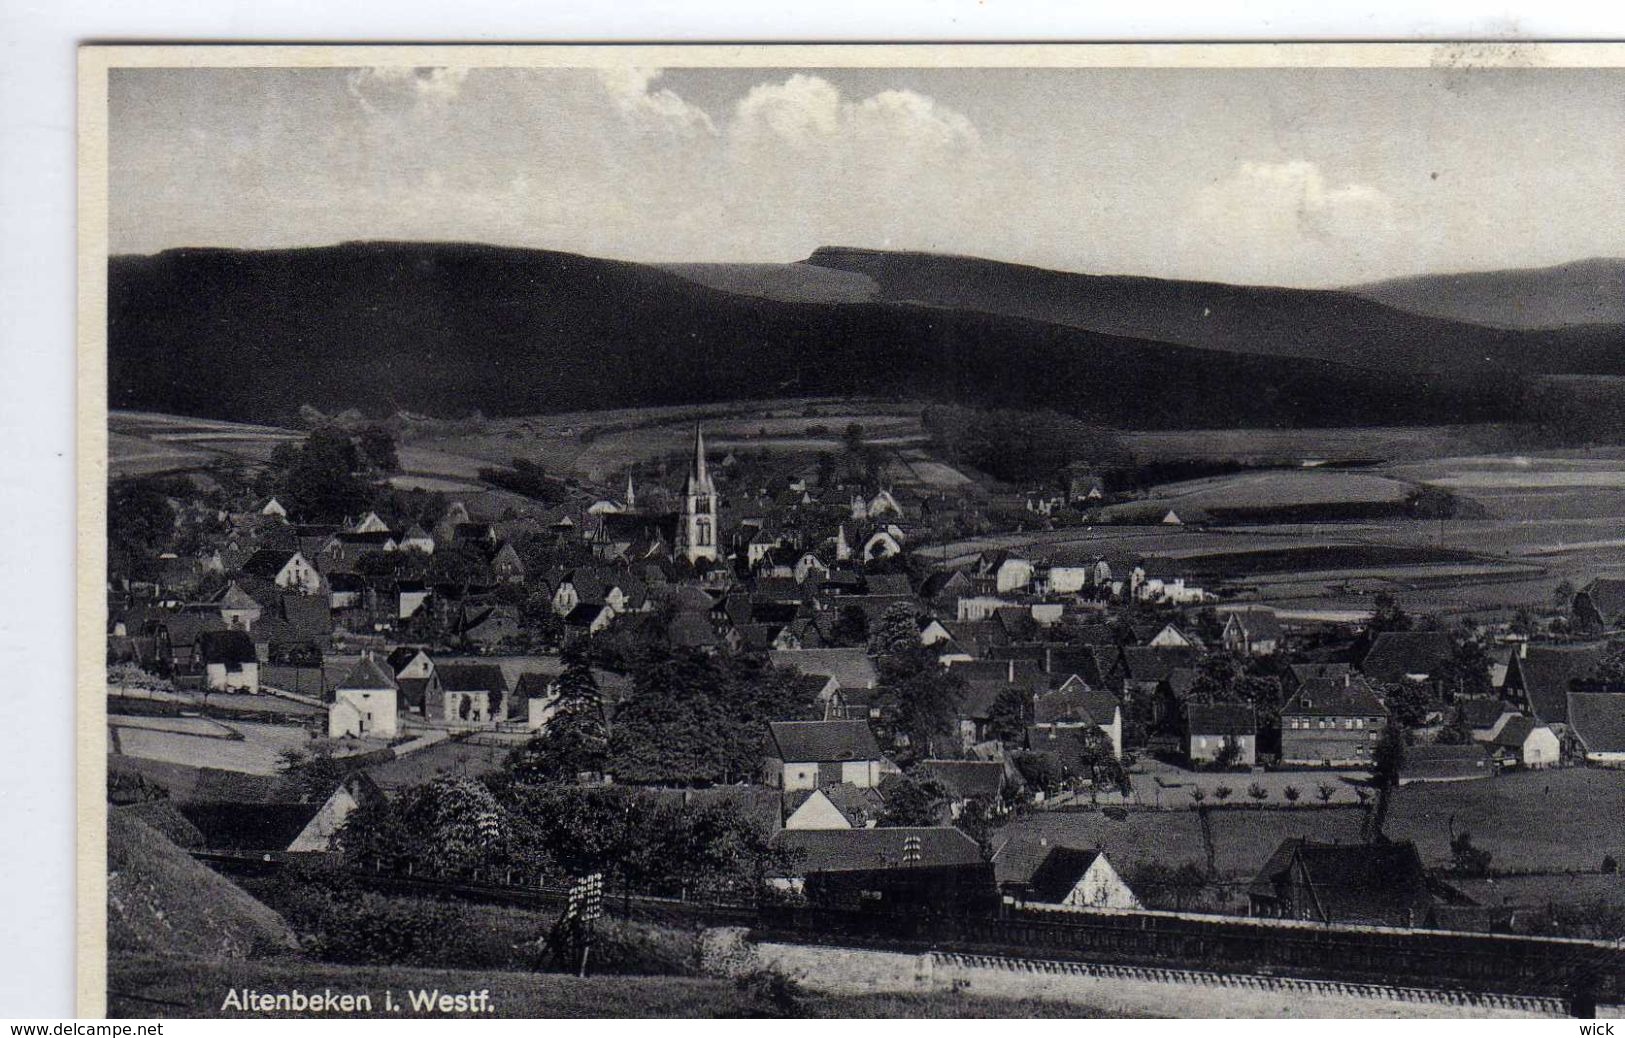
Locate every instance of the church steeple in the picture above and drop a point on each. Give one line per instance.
(631, 495)
(699, 479)
(697, 531)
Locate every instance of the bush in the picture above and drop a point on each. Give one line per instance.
(1609, 864)
(774, 994)
(1257, 792)
(1223, 793)
(1292, 794)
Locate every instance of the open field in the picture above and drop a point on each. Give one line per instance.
(258, 752)
(142, 444)
(1567, 819)
(1386, 443)
(155, 987)
(1270, 488)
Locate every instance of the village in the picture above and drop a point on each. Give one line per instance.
(774, 673)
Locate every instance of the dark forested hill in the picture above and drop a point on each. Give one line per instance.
(1342, 326)
(447, 329)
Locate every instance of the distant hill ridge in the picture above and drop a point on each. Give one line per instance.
(1589, 292)
(446, 329)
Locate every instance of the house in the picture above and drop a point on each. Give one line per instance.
(882, 544)
(488, 625)
(365, 703)
(1598, 722)
(286, 569)
(416, 538)
(1406, 655)
(1484, 717)
(416, 679)
(1332, 722)
(475, 692)
(1169, 636)
(1252, 632)
(588, 618)
(1076, 704)
(370, 523)
(1381, 883)
(1445, 764)
(1075, 878)
(230, 662)
(1210, 727)
(1542, 676)
(238, 609)
(839, 806)
(506, 565)
(1139, 669)
(274, 508)
(1521, 741)
(814, 754)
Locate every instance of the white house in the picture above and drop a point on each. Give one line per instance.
(1013, 575)
(811, 754)
(365, 704)
(1078, 879)
(1069, 580)
(370, 523)
(230, 663)
(882, 544)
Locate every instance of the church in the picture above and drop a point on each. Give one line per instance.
(692, 533)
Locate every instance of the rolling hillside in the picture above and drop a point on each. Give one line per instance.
(448, 329)
(1574, 295)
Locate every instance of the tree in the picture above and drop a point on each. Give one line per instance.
(1229, 753)
(1388, 616)
(1007, 717)
(1222, 793)
(851, 626)
(1387, 761)
(377, 445)
(897, 630)
(1325, 791)
(312, 775)
(1258, 792)
(1042, 771)
(321, 481)
(914, 802)
(574, 740)
(1292, 794)
(140, 522)
(928, 694)
(1409, 702)
(1466, 858)
(1611, 667)
(1467, 671)
(1198, 794)
(1562, 597)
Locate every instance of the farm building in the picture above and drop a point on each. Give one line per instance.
(1542, 676)
(860, 851)
(1332, 722)
(474, 692)
(1343, 883)
(1600, 605)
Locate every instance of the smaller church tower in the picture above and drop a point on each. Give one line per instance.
(697, 529)
(631, 495)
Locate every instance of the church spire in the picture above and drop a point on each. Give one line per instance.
(631, 495)
(699, 455)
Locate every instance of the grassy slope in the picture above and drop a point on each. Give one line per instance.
(160, 900)
(188, 988)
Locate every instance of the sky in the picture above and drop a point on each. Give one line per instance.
(1301, 177)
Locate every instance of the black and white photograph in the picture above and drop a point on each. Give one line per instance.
(878, 532)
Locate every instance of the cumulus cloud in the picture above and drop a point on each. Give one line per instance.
(392, 88)
(659, 109)
(807, 111)
(1291, 211)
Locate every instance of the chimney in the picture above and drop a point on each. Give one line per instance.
(1523, 649)
(1012, 671)
(1348, 678)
